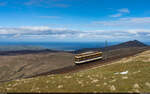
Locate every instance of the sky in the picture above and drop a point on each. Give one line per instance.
(74, 20)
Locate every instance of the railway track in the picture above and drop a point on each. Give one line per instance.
(77, 68)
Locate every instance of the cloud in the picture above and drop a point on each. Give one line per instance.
(45, 32)
(116, 15)
(46, 3)
(50, 17)
(123, 10)
(33, 2)
(37, 3)
(61, 5)
(148, 35)
(130, 22)
(139, 31)
(35, 30)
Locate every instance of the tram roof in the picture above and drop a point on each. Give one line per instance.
(88, 53)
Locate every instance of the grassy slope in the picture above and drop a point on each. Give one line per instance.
(100, 79)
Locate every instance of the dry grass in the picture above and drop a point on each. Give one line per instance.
(101, 79)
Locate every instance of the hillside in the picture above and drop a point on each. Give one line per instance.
(134, 43)
(126, 75)
(28, 63)
(19, 66)
(128, 44)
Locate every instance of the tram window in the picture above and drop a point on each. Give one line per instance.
(92, 56)
(76, 59)
(79, 59)
(83, 58)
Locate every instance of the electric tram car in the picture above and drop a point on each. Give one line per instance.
(87, 57)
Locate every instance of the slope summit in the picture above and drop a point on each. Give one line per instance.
(134, 43)
(128, 44)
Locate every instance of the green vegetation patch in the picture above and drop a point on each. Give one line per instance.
(127, 75)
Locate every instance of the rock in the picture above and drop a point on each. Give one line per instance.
(47, 81)
(112, 88)
(125, 77)
(60, 86)
(147, 84)
(136, 90)
(116, 73)
(67, 77)
(9, 84)
(95, 80)
(105, 83)
(136, 86)
(112, 81)
(125, 72)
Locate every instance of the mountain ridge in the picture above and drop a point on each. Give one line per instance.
(134, 43)
(27, 50)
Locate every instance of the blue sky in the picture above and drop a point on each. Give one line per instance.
(74, 20)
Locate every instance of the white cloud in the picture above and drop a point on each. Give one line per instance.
(61, 5)
(116, 15)
(45, 32)
(35, 28)
(125, 22)
(136, 31)
(123, 10)
(148, 35)
(50, 17)
(46, 3)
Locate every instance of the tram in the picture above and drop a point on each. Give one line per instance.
(87, 57)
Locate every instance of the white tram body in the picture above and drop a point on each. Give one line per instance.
(87, 57)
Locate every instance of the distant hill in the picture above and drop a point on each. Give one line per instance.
(21, 52)
(134, 43)
(20, 47)
(24, 49)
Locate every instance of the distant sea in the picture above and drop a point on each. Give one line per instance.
(66, 46)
